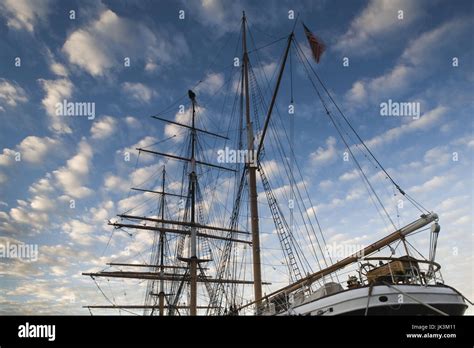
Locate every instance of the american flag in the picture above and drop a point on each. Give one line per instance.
(317, 46)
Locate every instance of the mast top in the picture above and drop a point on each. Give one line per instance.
(192, 95)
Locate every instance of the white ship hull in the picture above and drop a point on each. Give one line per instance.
(385, 300)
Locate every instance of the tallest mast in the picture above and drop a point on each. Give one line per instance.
(192, 176)
(252, 167)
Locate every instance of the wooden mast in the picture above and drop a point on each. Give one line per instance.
(251, 167)
(192, 179)
(161, 295)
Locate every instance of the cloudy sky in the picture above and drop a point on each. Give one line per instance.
(61, 177)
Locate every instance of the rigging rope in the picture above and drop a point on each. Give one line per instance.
(286, 164)
(344, 140)
(416, 204)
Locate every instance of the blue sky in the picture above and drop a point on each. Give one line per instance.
(82, 60)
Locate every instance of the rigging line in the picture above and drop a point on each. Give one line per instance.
(396, 206)
(352, 128)
(290, 175)
(357, 146)
(291, 76)
(243, 270)
(254, 27)
(293, 180)
(152, 175)
(236, 95)
(105, 296)
(108, 242)
(134, 169)
(158, 142)
(260, 62)
(415, 203)
(263, 102)
(269, 44)
(139, 205)
(256, 90)
(348, 147)
(415, 249)
(293, 240)
(227, 85)
(297, 248)
(184, 96)
(128, 196)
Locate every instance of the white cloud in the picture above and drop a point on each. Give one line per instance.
(102, 212)
(354, 194)
(430, 43)
(438, 155)
(358, 92)
(131, 202)
(56, 91)
(43, 185)
(430, 185)
(59, 69)
(425, 122)
(145, 142)
(271, 167)
(22, 216)
(211, 84)
(452, 203)
(11, 93)
(3, 178)
(138, 91)
(151, 66)
(216, 14)
(7, 157)
(390, 83)
(103, 128)
(32, 149)
(348, 176)
(140, 175)
(103, 44)
(42, 203)
(183, 118)
(325, 155)
(413, 64)
(115, 183)
(325, 184)
(377, 20)
(79, 231)
(132, 122)
(24, 14)
(71, 177)
(58, 270)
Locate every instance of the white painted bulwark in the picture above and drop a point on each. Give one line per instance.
(354, 301)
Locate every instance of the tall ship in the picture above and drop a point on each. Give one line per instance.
(231, 194)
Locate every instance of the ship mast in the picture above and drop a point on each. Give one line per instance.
(192, 180)
(252, 177)
(195, 230)
(161, 294)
